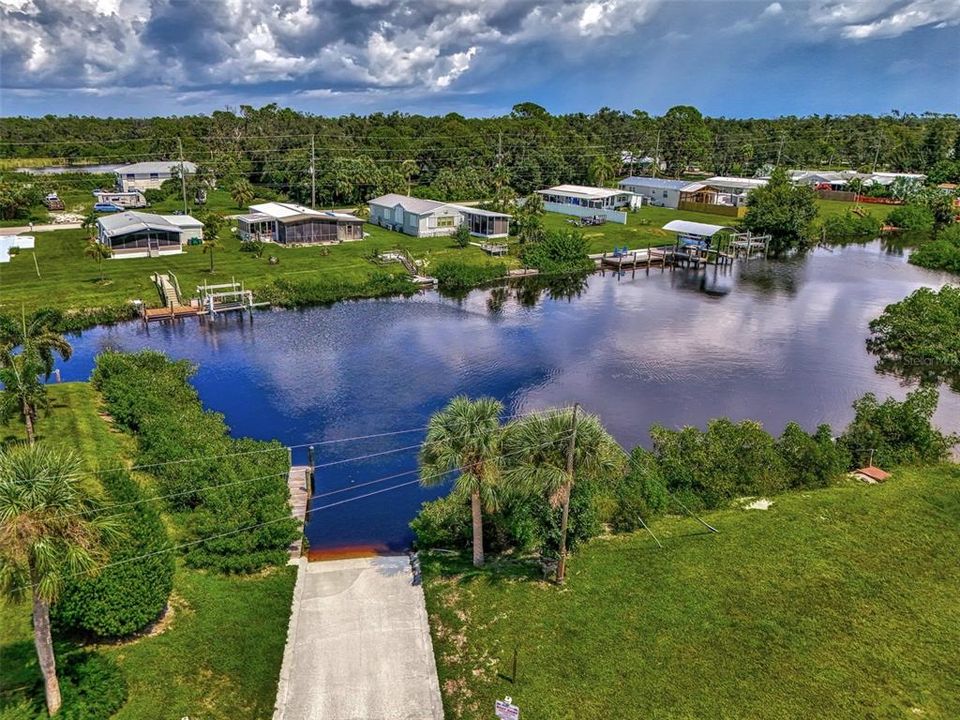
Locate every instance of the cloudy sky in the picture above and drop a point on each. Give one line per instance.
(479, 57)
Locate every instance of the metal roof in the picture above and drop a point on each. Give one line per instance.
(423, 206)
(688, 227)
(660, 183)
(184, 221)
(286, 212)
(161, 167)
(582, 191)
(130, 221)
(735, 182)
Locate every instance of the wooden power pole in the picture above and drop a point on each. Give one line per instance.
(562, 564)
(183, 176)
(313, 173)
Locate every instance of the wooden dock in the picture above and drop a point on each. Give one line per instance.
(299, 500)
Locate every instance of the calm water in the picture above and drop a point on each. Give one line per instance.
(774, 341)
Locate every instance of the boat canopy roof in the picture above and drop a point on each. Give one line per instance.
(696, 229)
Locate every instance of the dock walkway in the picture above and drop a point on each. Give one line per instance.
(299, 499)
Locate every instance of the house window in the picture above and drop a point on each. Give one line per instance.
(445, 221)
(664, 193)
(154, 176)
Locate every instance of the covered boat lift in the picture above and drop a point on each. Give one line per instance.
(700, 242)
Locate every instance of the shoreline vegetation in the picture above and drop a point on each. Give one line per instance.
(58, 275)
(218, 644)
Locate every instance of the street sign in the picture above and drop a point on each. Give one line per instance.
(506, 710)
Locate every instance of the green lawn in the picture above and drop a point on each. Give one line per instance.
(834, 603)
(73, 421)
(68, 279)
(219, 657)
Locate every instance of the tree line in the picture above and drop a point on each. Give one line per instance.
(453, 157)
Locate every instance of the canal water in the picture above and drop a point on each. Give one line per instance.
(774, 341)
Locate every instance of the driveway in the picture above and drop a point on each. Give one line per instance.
(25, 229)
(358, 647)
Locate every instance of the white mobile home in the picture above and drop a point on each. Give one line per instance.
(149, 175)
(585, 201)
(128, 199)
(660, 192)
(430, 218)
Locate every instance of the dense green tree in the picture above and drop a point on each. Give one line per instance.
(782, 210)
(242, 192)
(465, 437)
(685, 138)
(919, 337)
(49, 531)
(891, 433)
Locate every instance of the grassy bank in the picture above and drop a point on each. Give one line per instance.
(843, 600)
(68, 280)
(219, 652)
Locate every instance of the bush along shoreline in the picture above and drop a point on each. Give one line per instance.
(221, 485)
(685, 469)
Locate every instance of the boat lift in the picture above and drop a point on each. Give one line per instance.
(226, 297)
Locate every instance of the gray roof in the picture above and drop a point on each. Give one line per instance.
(422, 206)
(656, 183)
(160, 168)
(128, 222)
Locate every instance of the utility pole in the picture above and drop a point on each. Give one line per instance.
(183, 176)
(876, 155)
(656, 156)
(313, 173)
(562, 564)
(499, 148)
(779, 151)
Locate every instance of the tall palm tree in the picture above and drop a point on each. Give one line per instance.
(22, 394)
(539, 450)
(466, 435)
(37, 335)
(98, 251)
(409, 168)
(601, 170)
(212, 224)
(47, 533)
(242, 192)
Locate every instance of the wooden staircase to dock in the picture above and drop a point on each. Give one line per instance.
(173, 307)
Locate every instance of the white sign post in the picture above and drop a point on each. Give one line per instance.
(506, 710)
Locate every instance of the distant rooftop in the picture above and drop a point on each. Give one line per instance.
(657, 183)
(289, 211)
(160, 167)
(583, 191)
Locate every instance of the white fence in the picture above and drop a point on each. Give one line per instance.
(579, 211)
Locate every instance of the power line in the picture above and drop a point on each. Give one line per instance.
(265, 523)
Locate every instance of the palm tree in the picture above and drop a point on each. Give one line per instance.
(242, 192)
(601, 170)
(465, 436)
(541, 459)
(99, 252)
(409, 168)
(23, 394)
(37, 335)
(47, 533)
(212, 224)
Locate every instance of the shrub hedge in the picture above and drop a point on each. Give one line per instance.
(127, 596)
(224, 484)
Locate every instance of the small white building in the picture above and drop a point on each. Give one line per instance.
(139, 234)
(8, 242)
(586, 201)
(149, 175)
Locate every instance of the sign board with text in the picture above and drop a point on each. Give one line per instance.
(506, 710)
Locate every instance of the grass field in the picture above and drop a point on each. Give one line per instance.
(838, 603)
(68, 279)
(219, 656)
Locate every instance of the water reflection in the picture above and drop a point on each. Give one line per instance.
(775, 341)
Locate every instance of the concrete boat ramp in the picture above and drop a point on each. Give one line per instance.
(358, 645)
